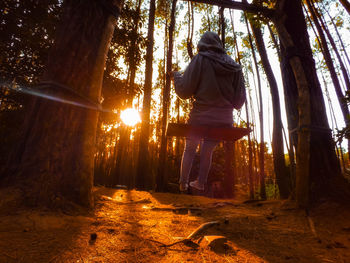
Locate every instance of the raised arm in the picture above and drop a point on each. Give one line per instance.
(186, 84)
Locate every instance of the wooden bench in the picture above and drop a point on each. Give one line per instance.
(207, 132)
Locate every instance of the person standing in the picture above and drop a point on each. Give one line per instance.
(216, 84)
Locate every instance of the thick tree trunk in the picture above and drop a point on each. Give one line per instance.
(143, 177)
(162, 179)
(318, 170)
(277, 137)
(56, 159)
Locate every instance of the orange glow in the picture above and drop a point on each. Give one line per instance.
(130, 117)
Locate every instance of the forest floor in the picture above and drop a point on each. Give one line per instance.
(131, 226)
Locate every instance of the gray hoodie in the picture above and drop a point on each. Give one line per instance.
(215, 82)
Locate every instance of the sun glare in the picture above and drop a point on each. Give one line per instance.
(130, 117)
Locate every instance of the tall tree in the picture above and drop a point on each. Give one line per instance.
(161, 175)
(27, 31)
(330, 65)
(55, 159)
(277, 139)
(190, 30)
(317, 171)
(261, 118)
(143, 178)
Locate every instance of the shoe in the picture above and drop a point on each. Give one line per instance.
(183, 187)
(197, 185)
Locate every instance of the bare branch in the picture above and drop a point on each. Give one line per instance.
(251, 8)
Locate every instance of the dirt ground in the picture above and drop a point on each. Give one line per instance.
(133, 226)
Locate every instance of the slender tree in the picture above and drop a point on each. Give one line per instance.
(190, 30)
(335, 48)
(277, 140)
(261, 119)
(144, 179)
(330, 65)
(161, 175)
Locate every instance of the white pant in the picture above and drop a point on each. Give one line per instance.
(207, 147)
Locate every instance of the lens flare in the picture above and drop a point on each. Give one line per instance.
(130, 117)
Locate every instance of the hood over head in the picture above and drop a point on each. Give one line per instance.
(211, 47)
(210, 41)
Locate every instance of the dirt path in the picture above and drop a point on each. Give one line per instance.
(129, 226)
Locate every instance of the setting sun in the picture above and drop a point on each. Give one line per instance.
(130, 117)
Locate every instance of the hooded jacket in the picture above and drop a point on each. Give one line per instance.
(214, 80)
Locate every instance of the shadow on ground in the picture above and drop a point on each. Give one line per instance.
(133, 226)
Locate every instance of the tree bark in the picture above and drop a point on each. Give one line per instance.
(162, 179)
(277, 137)
(143, 179)
(330, 65)
(56, 157)
(318, 170)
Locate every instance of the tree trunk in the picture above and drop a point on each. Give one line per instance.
(336, 51)
(143, 179)
(330, 66)
(261, 119)
(56, 159)
(123, 174)
(250, 158)
(229, 179)
(277, 140)
(162, 179)
(346, 5)
(132, 58)
(318, 170)
(190, 30)
(222, 25)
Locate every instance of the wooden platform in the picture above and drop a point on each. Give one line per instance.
(223, 134)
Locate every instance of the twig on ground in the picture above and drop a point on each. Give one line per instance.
(188, 241)
(168, 245)
(203, 227)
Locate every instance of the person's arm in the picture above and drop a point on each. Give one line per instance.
(239, 91)
(186, 84)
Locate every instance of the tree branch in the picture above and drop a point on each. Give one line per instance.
(251, 8)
